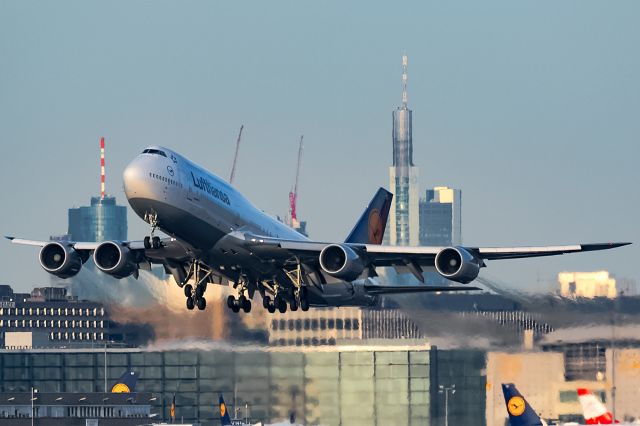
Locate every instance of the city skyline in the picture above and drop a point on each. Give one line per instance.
(498, 119)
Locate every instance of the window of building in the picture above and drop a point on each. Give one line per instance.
(356, 324)
(307, 324)
(331, 324)
(323, 324)
(339, 324)
(298, 325)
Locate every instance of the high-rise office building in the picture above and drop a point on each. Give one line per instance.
(441, 217)
(103, 220)
(403, 176)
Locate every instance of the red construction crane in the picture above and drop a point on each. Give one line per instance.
(293, 195)
(235, 157)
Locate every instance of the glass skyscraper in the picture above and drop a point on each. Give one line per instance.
(403, 176)
(103, 220)
(441, 217)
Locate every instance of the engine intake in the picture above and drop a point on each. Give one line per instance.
(115, 259)
(457, 264)
(60, 260)
(341, 261)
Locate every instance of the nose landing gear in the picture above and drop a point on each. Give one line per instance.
(151, 241)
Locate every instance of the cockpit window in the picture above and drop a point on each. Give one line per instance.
(154, 151)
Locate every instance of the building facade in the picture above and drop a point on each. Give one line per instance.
(587, 284)
(103, 220)
(441, 217)
(404, 223)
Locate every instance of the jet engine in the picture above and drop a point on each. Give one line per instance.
(457, 264)
(341, 261)
(60, 260)
(115, 259)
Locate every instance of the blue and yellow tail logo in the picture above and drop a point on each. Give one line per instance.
(225, 419)
(520, 412)
(126, 383)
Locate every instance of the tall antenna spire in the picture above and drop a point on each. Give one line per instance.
(102, 168)
(405, 62)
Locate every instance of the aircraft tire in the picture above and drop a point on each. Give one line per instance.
(266, 301)
(271, 308)
(246, 306)
(293, 306)
(235, 308)
(304, 305)
(282, 306)
(202, 303)
(155, 243)
(147, 242)
(199, 291)
(190, 304)
(187, 290)
(231, 301)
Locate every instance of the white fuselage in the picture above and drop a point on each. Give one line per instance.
(173, 185)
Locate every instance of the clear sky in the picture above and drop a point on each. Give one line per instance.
(531, 108)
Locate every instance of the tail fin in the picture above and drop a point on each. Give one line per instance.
(370, 226)
(225, 419)
(594, 411)
(520, 412)
(126, 383)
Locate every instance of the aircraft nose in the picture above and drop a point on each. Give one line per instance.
(132, 178)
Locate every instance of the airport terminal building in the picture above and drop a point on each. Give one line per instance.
(364, 384)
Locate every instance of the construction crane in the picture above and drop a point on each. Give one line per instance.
(293, 195)
(235, 157)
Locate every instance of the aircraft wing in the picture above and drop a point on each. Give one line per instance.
(171, 248)
(406, 259)
(380, 255)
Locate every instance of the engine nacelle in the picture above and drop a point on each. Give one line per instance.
(457, 264)
(341, 261)
(115, 259)
(60, 260)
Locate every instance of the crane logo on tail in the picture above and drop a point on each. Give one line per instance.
(516, 406)
(376, 227)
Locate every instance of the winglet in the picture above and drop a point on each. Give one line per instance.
(9, 238)
(370, 227)
(602, 246)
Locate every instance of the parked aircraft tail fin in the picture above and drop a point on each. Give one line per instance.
(520, 412)
(594, 411)
(225, 419)
(126, 383)
(370, 227)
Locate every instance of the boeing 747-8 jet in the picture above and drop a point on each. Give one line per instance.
(218, 236)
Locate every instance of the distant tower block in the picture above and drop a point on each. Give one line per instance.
(404, 221)
(101, 221)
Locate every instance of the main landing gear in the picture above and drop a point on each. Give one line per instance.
(195, 295)
(151, 241)
(281, 300)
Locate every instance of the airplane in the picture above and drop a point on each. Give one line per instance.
(218, 236)
(520, 412)
(594, 411)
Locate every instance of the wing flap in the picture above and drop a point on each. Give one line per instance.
(387, 289)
